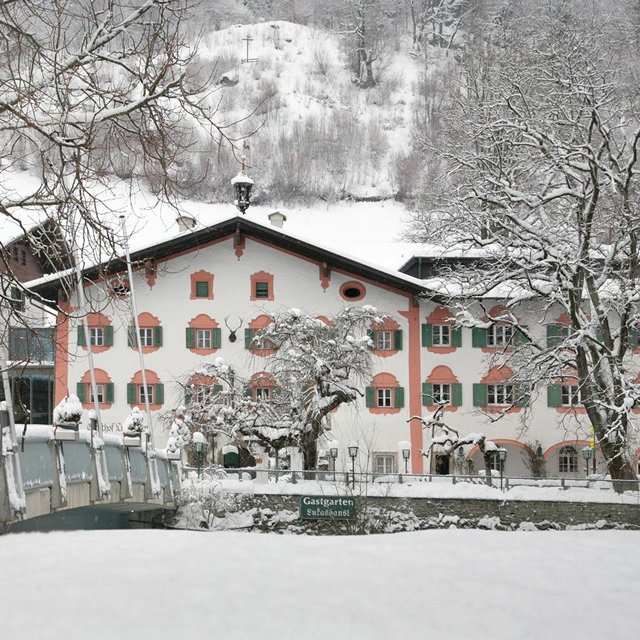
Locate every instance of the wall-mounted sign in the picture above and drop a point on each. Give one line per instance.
(327, 507)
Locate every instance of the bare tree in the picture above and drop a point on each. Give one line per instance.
(540, 182)
(87, 87)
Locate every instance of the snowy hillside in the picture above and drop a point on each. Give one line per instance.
(318, 134)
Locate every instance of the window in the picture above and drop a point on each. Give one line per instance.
(17, 299)
(384, 340)
(97, 336)
(499, 394)
(23, 257)
(203, 338)
(263, 394)
(495, 463)
(383, 463)
(352, 292)
(31, 344)
(441, 336)
(442, 393)
(571, 395)
(149, 393)
(499, 335)
(383, 398)
(202, 289)
(262, 290)
(568, 460)
(146, 337)
(203, 393)
(99, 393)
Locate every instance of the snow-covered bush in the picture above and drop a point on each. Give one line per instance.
(134, 422)
(69, 410)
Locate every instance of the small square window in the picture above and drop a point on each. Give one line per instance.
(383, 463)
(262, 290)
(99, 393)
(499, 335)
(97, 336)
(383, 398)
(202, 289)
(149, 393)
(383, 340)
(442, 393)
(441, 335)
(146, 337)
(571, 396)
(263, 394)
(500, 394)
(204, 338)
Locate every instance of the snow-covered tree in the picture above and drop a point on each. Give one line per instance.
(540, 184)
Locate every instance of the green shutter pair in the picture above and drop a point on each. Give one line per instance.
(398, 397)
(521, 393)
(216, 338)
(427, 335)
(249, 335)
(82, 391)
(427, 394)
(132, 393)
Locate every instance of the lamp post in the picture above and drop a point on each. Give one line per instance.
(333, 452)
(200, 443)
(502, 456)
(586, 454)
(353, 454)
(242, 184)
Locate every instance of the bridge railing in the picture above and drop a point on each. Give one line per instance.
(61, 473)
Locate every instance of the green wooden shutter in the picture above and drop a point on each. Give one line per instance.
(159, 399)
(188, 395)
(633, 338)
(553, 336)
(554, 395)
(82, 338)
(248, 392)
(157, 336)
(523, 395)
(397, 339)
(456, 394)
(520, 337)
(398, 398)
(371, 334)
(131, 393)
(427, 394)
(81, 391)
(191, 337)
(599, 335)
(478, 339)
(202, 289)
(131, 337)
(248, 337)
(479, 395)
(427, 335)
(456, 336)
(370, 397)
(275, 391)
(109, 391)
(216, 338)
(108, 336)
(217, 388)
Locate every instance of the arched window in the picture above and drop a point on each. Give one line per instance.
(568, 460)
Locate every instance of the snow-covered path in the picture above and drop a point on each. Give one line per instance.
(450, 584)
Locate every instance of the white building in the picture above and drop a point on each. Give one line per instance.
(202, 287)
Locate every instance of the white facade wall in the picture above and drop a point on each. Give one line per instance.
(298, 283)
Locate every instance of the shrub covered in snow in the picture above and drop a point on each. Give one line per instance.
(134, 422)
(69, 410)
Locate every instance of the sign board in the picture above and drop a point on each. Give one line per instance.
(327, 507)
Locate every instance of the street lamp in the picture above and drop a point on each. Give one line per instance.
(502, 456)
(242, 184)
(405, 451)
(586, 454)
(200, 443)
(353, 454)
(333, 452)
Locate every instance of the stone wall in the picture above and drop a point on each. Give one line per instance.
(424, 513)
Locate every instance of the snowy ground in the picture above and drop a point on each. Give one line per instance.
(435, 584)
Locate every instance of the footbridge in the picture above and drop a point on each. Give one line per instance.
(46, 471)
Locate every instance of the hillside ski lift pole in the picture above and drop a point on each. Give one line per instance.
(150, 448)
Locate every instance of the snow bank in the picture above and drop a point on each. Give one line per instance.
(435, 584)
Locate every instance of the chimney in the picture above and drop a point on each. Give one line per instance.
(277, 219)
(186, 223)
